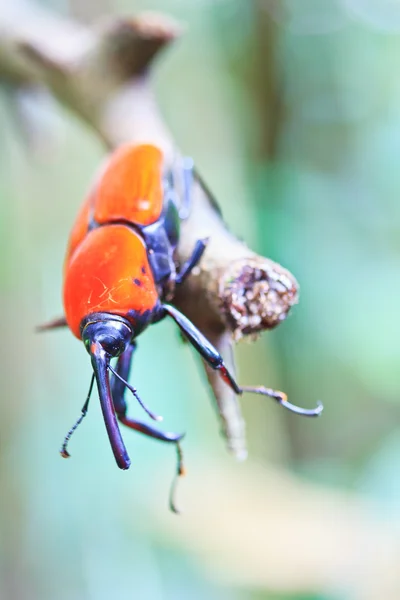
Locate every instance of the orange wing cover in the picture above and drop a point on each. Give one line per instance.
(108, 272)
(130, 188)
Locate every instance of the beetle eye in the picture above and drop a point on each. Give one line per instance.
(112, 335)
(112, 345)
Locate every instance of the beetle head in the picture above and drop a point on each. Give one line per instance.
(112, 332)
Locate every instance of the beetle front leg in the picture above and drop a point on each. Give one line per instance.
(192, 261)
(215, 361)
(123, 369)
(118, 394)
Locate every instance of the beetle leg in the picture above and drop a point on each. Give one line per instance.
(118, 390)
(120, 381)
(123, 368)
(54, 324)
(215, 361)
(192, 261)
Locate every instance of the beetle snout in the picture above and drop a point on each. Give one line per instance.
(112, 334)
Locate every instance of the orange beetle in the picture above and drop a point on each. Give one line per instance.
(119, 269)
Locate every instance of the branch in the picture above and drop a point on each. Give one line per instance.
(102, 76)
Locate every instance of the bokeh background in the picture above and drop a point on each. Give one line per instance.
(292, 111)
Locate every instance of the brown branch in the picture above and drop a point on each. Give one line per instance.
(102, 76)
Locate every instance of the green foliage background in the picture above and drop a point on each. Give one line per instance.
(292, 112)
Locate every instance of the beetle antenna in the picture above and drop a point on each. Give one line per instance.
(281, 398)
(180, 472)
(134, 392)
(63, 451)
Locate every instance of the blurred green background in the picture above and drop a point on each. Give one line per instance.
(292, 111)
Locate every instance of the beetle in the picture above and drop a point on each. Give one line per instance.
(120, 273)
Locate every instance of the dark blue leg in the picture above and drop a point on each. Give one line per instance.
(123, 369)
(215, 361)
(192, 261)
(118, 391)
(54, 324)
